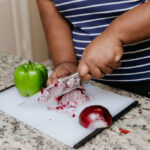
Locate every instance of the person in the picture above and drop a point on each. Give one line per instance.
(107, 41)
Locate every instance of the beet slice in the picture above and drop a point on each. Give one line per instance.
(95, 116)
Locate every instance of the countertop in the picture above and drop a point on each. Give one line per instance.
(17, 135)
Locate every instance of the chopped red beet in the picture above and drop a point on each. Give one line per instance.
(56, 84)
(64, 105)
(42, 90)
(73, 115)
(58, 107)
(124, 131)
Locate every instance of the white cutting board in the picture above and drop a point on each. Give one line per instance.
(58, 125)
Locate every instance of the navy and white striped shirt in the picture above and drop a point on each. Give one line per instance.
(89, 18)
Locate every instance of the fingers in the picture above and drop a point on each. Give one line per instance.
(83, 69)
(89, 70)
(106, 69)
(87, 77)
(56, 75)
(61, 71)
(95, 71)
(114, 65)
(52, 79)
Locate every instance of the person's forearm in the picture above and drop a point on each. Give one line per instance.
(58, 33)
(132, 26)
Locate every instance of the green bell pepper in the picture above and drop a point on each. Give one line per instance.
(29, 78)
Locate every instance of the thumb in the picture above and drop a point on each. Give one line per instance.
(117, 58)
(83, 69)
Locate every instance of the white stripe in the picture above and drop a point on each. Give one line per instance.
(93, 34)
(103, 12)
(135, 59)
(79, 55)
(94, 27)
(97, 5)
(80, 48)
(91, 20)
(143, 79)
(125, 74)
(80, 41)
(70, 2)
(137, 51)
(137, 42)
(132, 67)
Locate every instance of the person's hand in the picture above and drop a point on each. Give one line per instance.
(61, 71)
(100, 57)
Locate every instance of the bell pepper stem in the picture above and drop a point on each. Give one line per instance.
(30, 65)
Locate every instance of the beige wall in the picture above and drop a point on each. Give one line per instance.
(21, 31)
(39, 45)
(7, 38)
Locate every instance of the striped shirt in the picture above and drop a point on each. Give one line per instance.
(89, 18)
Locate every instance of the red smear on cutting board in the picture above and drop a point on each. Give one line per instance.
(124, 131)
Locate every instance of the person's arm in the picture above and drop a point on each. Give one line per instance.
(103, 54)
(132, 26)
(58, 33)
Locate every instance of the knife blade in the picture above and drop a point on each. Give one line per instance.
(63, 86)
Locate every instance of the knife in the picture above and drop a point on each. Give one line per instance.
(63, 86)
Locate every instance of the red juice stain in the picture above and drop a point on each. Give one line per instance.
(48, 108)
(124, 131)
(38, 99)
